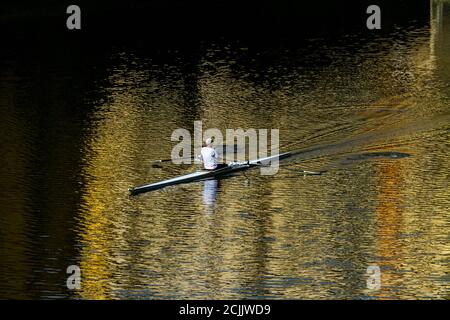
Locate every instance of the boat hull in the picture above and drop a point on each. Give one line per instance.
(196, 176)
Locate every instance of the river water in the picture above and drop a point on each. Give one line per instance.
(372, 113)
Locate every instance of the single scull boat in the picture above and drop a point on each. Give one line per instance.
(205, 174)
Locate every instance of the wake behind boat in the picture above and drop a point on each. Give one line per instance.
(206, 174)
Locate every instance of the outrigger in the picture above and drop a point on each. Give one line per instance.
(205, 174)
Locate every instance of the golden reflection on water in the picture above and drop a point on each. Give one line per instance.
(389, 223)
(286, 236)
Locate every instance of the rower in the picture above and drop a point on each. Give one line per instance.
(210, 157)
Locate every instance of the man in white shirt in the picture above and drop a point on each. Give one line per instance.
(210, 157)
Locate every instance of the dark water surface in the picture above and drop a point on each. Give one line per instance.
(80, 127)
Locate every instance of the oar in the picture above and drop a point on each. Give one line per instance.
(308, 172)
(312, 173)
(168, 160)
(220, 147)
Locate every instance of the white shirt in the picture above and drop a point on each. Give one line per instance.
(210, 158)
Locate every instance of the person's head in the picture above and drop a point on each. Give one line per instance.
(209, 142)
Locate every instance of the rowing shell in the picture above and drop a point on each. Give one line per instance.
(204, 174)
